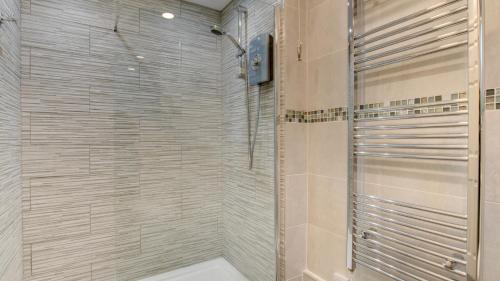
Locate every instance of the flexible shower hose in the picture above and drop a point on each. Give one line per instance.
(251, 142)
(256, 129)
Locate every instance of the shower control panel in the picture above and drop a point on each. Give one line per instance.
(260, 59)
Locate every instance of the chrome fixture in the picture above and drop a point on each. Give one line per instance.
(217, 30)
(243, 61)
(402, 240)
(117, 12)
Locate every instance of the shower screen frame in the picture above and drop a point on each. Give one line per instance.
(475, 76)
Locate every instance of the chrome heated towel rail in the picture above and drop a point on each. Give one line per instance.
(406, 240)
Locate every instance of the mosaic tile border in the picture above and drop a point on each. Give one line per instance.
(492, 99)
(340, 113)
(316, 116)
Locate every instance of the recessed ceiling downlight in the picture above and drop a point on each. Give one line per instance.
(168, 15)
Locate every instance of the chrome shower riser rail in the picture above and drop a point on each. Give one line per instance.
(410, 26)
(411, 216)
(412, 56)
(406, 18)
(411, 156)
(408, 245)
(412, 36)
(410, 206)
(399, 117)
(410, 226)
(411, 126)
(409, 235)
(399, 261)
(399, 50)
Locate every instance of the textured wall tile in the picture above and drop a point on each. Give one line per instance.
(48, 64)
(10, 144)
(49, 160)
(45, 95)
(123, 135)
(127, 47)
(129, 129)
(52, 193)
(50, 128)
(55, 223)
(80, 273)
(118, 161)
(79, 251)
(94, 13)
(248, 203)
(54, 34)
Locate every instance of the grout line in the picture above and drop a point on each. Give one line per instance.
(31, 259)
(90, 218)
(90, 41)
(29, 181)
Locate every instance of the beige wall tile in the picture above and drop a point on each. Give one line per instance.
(326, 253)
(492, 156)
(295, 148)
(292, 3)
(56, 223)
(296, 249)
(491, 244)
(79, 251)
(327, 204)
(296, 200)
(492, 41)
(327, 81)
(326, 28)
(298, 278)
(327, 149)
(55, 160)
(295, 85)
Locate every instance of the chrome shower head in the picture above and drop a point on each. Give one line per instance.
(217, 30)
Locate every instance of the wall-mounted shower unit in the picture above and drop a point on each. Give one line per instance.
(255, 62)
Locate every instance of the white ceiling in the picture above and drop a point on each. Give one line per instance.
(214, 4)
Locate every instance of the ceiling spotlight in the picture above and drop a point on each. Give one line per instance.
(131, 69)
(168, 15)
(140, 57)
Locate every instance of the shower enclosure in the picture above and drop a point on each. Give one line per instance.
(137, 124)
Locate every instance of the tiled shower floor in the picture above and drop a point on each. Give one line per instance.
(214, 270)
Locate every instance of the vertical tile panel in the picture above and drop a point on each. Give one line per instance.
(122, 133)
(248, 204)
(10, 144)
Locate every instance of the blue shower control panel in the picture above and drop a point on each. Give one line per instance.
(260, 59)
